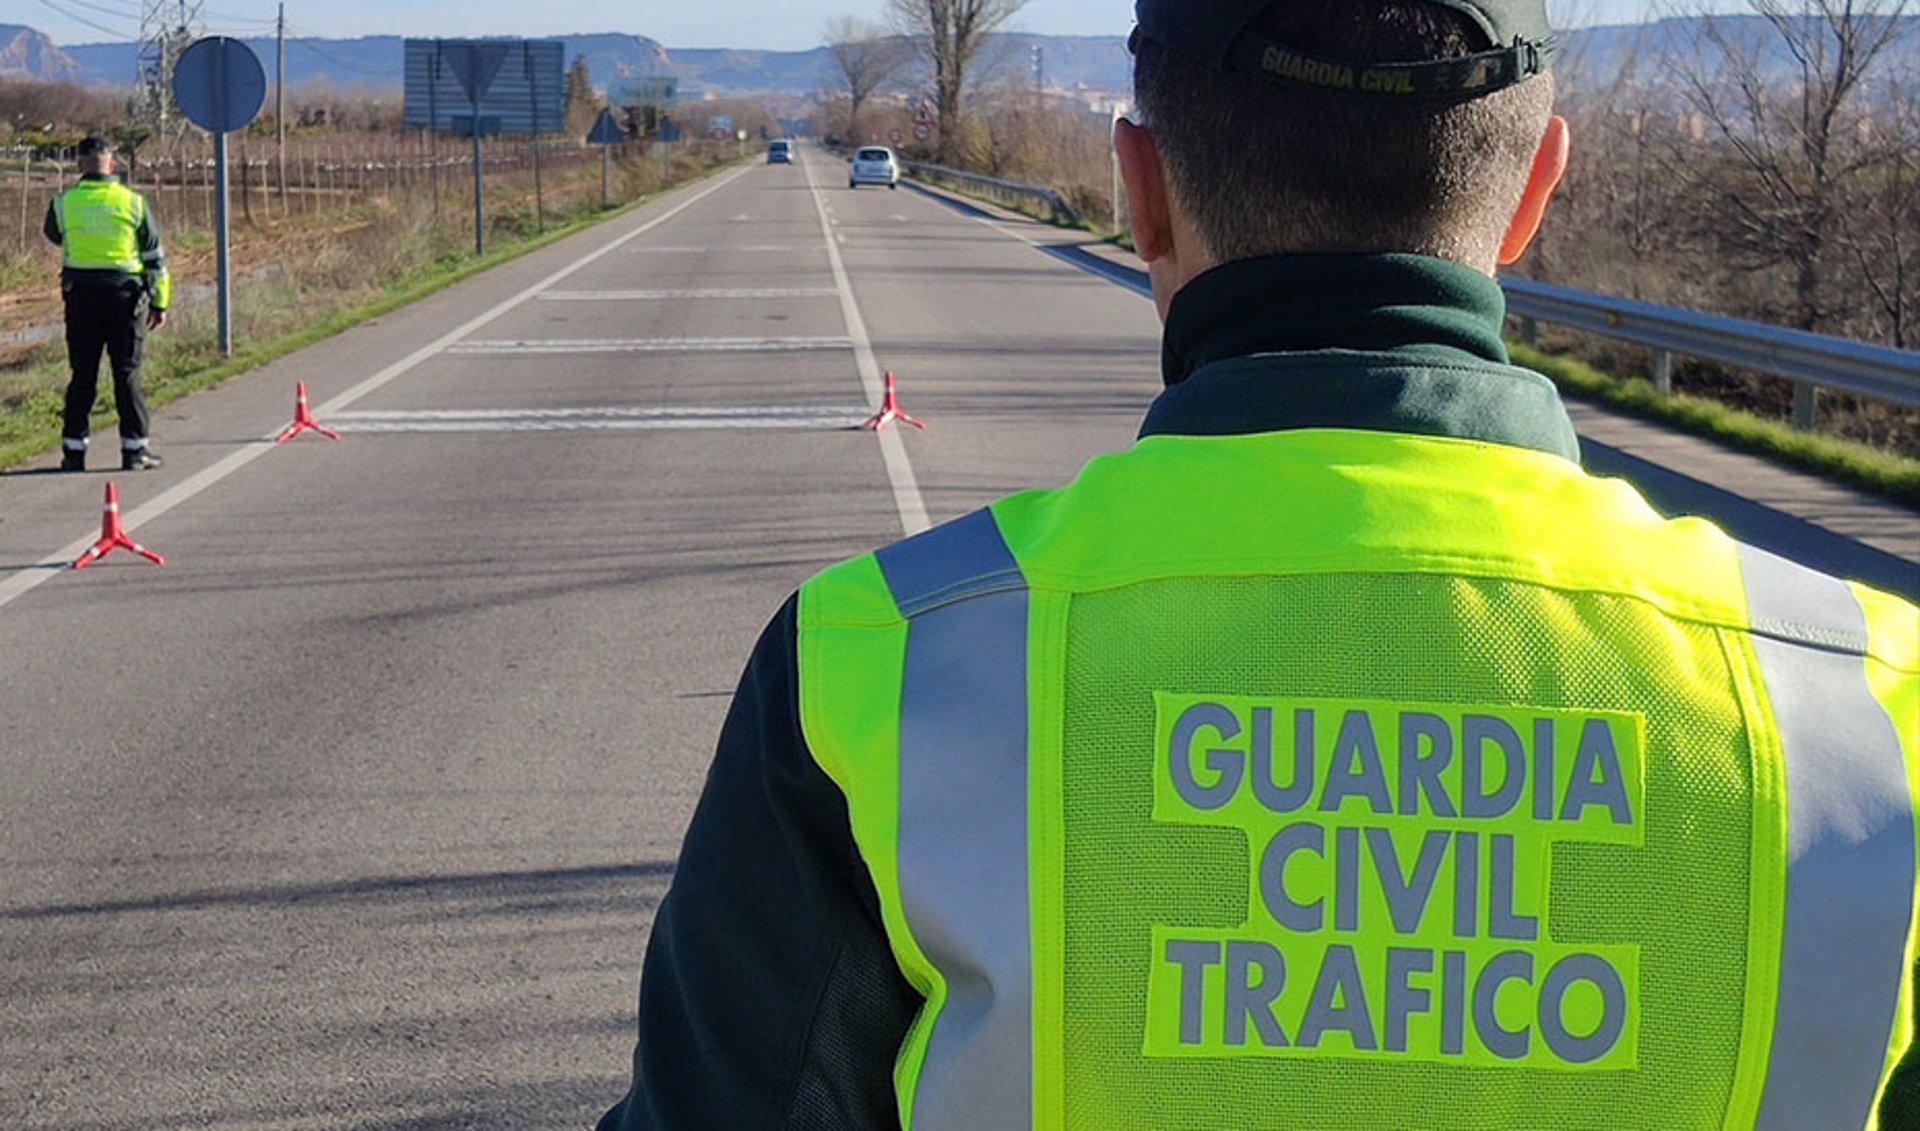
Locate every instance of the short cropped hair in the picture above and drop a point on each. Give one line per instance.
(1266, 168)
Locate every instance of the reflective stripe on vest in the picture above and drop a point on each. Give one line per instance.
(963, 820)
(1850, 850)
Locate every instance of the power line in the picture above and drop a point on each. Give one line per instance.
(80, 19)
(250, 31)
(307, 41)
(122, 13)
(247, 21)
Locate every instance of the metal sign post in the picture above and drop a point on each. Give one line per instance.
(223, 242)
(221, 87)
(476, 65)
(606, 134)
(533, 105)
(479, 193)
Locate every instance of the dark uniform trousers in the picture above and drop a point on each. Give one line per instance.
(109, 316)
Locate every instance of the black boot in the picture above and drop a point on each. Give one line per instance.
(73, 459)
(139, 459)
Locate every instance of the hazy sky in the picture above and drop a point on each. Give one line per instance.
(773, 24)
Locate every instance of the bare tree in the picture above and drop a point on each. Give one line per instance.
(948, 34)
(1783, 93)
(1613, 225)
(868, 58)
(1879, 223)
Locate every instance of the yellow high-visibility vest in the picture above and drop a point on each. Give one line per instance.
(105, 226)
(1410, 782)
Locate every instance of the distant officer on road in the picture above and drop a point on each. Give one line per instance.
(115, 284)
(1341, 755)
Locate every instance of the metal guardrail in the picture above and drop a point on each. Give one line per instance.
(1811, 361)
(1057, 207)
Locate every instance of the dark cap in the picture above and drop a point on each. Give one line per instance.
(1217, 33)
(93, 145)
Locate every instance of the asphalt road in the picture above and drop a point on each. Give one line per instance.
(355, 815)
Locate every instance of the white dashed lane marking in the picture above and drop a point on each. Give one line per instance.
(601, 419)
(695, 293)
(509, 348)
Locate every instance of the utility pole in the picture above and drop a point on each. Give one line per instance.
(280, 99)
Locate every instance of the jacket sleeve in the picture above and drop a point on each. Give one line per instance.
(154, 258)
(51, 226)
(769, 997)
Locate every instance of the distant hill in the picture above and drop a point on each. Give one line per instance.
(25, 53)
(1094, 63)
(370, 62)
(373, 63)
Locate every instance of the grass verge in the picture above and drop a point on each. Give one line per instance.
(30, 424)
(1857, 465)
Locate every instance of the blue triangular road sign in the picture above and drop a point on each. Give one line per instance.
(476, 65)
(606, 131)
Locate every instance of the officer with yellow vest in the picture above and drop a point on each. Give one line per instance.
(115, 284)
(1341, 756)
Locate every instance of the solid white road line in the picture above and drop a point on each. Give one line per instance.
(485, 348)
(692, 293)
(20, 583)
(906, 491)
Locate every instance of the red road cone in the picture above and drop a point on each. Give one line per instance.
(303, 420)
(890, 411)
(113, 537)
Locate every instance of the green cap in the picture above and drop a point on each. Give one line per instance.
(1217, 33)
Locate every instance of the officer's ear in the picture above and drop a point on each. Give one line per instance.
(1549, 166)
(1147, 198)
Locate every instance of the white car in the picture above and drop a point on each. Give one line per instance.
(873, 165)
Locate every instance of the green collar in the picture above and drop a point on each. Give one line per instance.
(1390, 343)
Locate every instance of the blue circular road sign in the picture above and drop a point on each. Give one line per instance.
(219, 84)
